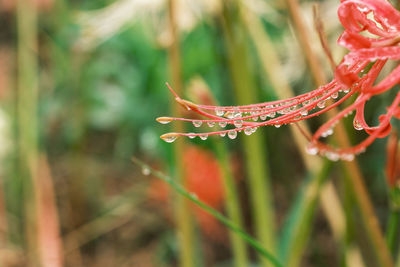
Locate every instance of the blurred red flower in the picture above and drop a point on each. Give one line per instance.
(372, 34)
(202, 177)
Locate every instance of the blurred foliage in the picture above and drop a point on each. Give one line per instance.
(97, 108)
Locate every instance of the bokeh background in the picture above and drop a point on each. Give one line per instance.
(81, 83)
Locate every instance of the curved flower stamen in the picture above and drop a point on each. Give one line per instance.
(352, 77)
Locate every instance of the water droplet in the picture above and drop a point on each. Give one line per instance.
(211, 123)
(164, 120)
(263, 117)
(222, 134)
(277, 125)
(332, 156)
(272, 114)
(197, 123)
(327, 132)
(191, 135)
(248, 131)
(169, 138)
(348, 157)
(219, 112)
(304, 112)
(203, 136)
(357, 125)
(306, 103)
(255, 118)
(222, 124)
(238, 123)
(321, 104)
(229, 115)
(312, 149)
(346, 90)
(237, 114)
(232, 134)
(146, 170)
(335, 95)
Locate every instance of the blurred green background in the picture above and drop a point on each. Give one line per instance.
(81, 83)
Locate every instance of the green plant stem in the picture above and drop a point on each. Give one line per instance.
(354, 174)
(27, 97)
(232, 205)
(185, 230)
(392, 229)
(224, 220)
(253, 147)
(298, 228)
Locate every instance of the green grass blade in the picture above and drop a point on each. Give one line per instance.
(295, 233)
(217, 215)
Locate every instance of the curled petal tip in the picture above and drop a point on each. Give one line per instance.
(164, 120)
(169, 137)
(187, 104)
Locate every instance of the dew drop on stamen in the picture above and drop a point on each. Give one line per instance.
(277, 125)
(219, 112)
(248, 131)
(229, 115)
(222, 134)
(237, 114)
(191, 135)
(335, 95)
(203, 136)
(164, 121)
(222, 124)
(238, 123)
(263, 117)
(211, 124)
(146, 170)
(232, 134)
(197, 123)
(357, 125)
(348, 157)
(169, 139)
(327, 132)
(272, 114)
(312, 149)
(346, 90)
(332, 156)
(304, 112)
(321, 104)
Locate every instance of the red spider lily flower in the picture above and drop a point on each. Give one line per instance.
(372, 34)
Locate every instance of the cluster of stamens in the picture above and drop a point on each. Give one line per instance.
(355, 75)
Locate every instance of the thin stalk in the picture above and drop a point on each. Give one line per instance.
(295, 240)
(392, 229)
(48, 225)
(356, 181)
(253, 147)
(257, 245)
(184, 219)
(232, 205)
(27, 97)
